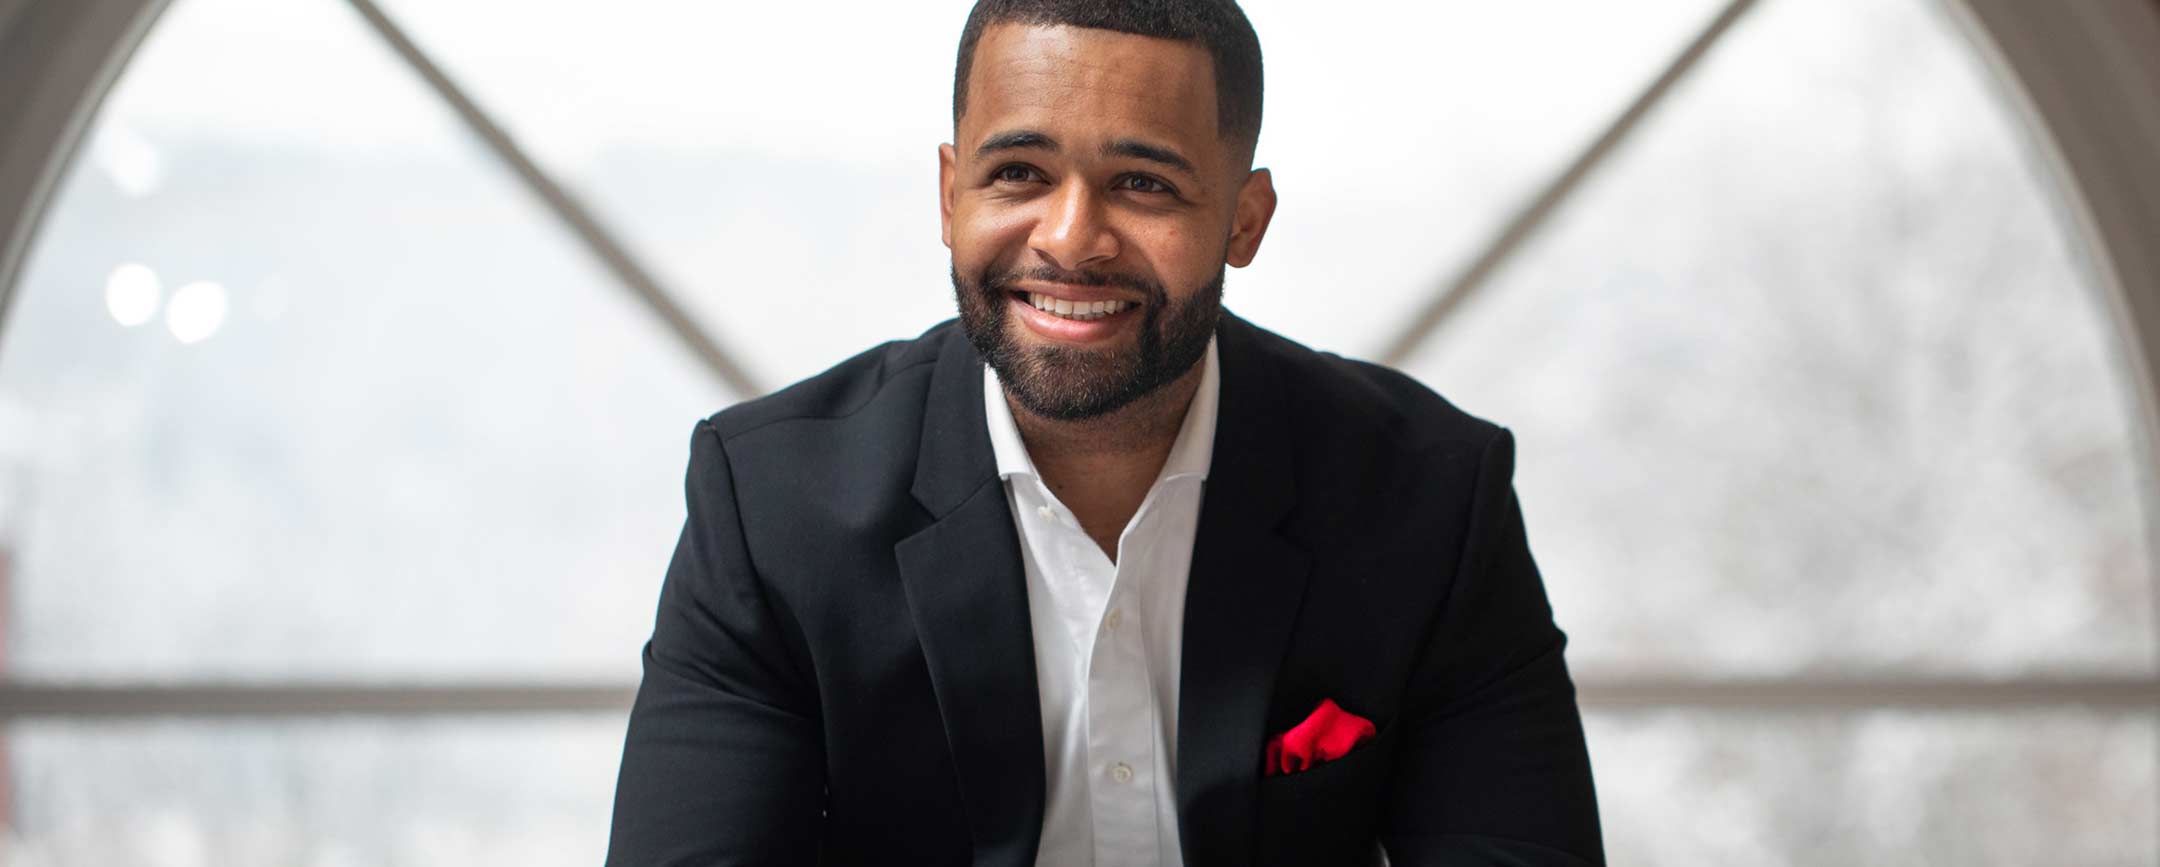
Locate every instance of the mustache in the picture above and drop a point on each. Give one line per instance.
(1050, 274)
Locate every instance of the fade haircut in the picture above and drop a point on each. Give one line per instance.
(1217, 25)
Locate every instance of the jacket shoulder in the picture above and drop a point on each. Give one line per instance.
(840, 391)
(1349, 403)
(822, 469)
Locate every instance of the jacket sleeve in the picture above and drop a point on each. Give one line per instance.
(1493, 767)
(723, 763)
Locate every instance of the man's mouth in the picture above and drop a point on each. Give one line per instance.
(1078, 311)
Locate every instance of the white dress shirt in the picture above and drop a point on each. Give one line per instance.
(1107, 645)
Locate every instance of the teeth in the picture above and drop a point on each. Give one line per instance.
(1076, 310)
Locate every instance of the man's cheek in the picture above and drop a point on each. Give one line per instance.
(1000, 226)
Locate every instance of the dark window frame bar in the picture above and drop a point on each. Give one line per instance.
(1519, 228)
(583, 224)
(34, 701)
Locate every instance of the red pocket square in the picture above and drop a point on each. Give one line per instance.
(1328, 734)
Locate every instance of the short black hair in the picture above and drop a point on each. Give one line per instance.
(1218, 25)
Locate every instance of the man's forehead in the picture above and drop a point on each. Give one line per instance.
(1090, 82)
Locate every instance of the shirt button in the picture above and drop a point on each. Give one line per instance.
(1121, 772)
(1047, 513)
(1115, 617)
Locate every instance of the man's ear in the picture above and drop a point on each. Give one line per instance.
(947, 171)
(1255, 208)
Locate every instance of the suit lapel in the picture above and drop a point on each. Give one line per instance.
(968, 597)
(1241, 599)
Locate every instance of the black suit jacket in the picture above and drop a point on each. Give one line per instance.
(842, 670)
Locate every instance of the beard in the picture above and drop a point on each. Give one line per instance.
(1069, 383)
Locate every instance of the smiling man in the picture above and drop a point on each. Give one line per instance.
(1102, 574)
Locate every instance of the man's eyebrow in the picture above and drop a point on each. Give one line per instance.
(1027, 139)
(1126, 147)
(1017, 140)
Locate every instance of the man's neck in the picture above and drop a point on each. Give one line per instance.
(1101, 468)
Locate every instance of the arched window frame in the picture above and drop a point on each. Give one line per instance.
(2086, 77)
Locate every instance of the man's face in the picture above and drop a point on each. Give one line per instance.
(1091, 205)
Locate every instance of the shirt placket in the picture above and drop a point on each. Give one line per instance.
(1121, 720)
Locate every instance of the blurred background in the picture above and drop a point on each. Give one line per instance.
(347, 379)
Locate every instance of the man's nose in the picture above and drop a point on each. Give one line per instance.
(1074, 232)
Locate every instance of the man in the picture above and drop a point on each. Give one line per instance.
(1102, 575)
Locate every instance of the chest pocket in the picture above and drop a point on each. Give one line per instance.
(1329, 814)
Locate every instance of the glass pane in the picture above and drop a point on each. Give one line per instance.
(778, 161)
(1810, 377)
(299, 381)
(1882, 787)
(525, 792)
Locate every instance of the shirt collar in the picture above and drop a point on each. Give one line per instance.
(1189, 455)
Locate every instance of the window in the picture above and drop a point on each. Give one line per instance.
(310, 398)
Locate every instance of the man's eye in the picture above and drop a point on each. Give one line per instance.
(1145, 184)
(1015, 174)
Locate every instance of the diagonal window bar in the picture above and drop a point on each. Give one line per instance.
(32, 700)
(580, 220)
(1526, 221)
